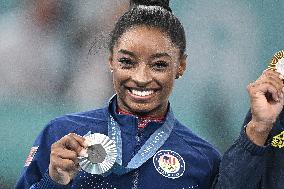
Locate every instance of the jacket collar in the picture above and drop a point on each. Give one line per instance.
(129, 123)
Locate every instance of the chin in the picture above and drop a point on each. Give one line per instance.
(144, 110)
(142, 107)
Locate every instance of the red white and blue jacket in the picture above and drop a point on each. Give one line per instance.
(184, 161)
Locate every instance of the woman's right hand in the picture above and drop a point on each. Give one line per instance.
(63, 164)
(267, 99)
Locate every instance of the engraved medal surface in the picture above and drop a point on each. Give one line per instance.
(277, 62)
(96, 153)
(100, 155)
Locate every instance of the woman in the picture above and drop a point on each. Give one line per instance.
(256, 158)
(147, 53)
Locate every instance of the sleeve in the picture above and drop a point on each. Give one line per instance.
(242, 164)
(35, 172)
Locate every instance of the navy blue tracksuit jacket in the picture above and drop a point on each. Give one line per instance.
(248, 166)
(194, 160)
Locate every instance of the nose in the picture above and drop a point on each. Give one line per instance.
(142, 75)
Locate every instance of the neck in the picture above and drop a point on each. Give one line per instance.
(141, 116)
(159, 112)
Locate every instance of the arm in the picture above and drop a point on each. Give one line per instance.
(38, 173)
(242, 164)
(37, 162)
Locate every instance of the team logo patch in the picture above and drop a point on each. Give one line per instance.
(169, 164)
(278, 140)
(31, 156)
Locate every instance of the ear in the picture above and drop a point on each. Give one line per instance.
(182, 66)
(110, 62)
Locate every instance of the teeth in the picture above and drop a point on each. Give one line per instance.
(141, 93)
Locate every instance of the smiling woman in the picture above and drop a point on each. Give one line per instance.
(144, 68)
(135, 142)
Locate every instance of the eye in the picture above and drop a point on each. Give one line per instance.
(126, 62)
(160, 65)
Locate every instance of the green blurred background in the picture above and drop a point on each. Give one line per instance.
(53, 61)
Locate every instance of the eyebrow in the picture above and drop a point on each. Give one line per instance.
(157, 55)
(123, 51)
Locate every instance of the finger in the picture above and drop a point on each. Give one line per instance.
(282, 98)
(65, 154)
(262, 85)
(273, 75)
(83, 152)
(262, 89)
(64, 164)
(272, 80)
(272, 92)
(275, 81)
(79, 139)
(69, 142)
(269, 71)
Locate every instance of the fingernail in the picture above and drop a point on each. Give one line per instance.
(83, 152)
(276, 97)
(86, 143)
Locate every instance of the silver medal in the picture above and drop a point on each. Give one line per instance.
(100, 155)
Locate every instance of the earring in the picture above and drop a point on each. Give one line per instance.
(178, 76)
(111, 70)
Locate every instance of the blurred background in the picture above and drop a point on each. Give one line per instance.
(53, 61)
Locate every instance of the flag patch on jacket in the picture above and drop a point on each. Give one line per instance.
(31, 156)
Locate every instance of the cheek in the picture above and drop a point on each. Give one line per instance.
(167, 81)
(169, 86)
(119, 77)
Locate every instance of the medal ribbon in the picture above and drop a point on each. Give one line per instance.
(156, 140)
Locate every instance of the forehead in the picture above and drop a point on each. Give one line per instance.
(146, 39)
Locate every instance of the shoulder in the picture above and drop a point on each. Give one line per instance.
(82, 118)
(75, 123)
(200, 146)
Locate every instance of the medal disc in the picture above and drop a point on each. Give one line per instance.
(277, 62)
(96, 153)
(100, 155)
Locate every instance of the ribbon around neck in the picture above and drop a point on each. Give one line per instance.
(151, 146)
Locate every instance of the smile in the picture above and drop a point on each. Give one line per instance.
(141, 93)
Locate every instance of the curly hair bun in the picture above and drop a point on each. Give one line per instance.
(161, 3)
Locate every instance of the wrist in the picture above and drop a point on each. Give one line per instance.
(258, 132)
(58, 176)
(260, 127)
(246, 143)
(47, 183)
